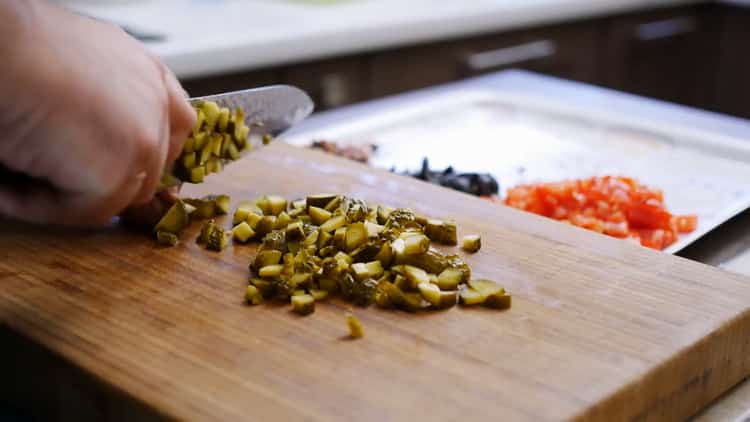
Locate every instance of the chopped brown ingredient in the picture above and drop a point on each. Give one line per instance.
(361, 154)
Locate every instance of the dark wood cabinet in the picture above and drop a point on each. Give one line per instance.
(331, 83)
(732, 86)
(231, 82)
(569, 51)
(669, 55)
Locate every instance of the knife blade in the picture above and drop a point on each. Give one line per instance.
(273, 108)
(276, 107)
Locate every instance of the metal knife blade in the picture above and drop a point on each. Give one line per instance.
(275, 108)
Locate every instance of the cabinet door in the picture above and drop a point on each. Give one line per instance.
(569, 52)
(232, 82)
(669, 55)
(331, 83)
(412, 68)
(733, 87)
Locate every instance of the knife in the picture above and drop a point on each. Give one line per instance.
(274, 108)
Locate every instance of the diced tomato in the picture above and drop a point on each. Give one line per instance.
(642, 215)
(686, 223)
(616, 229)
(653, 239)
(617, 206)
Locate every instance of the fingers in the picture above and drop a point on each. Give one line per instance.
(181, 114)
(43, 204)
(149, 214)
(153, 156)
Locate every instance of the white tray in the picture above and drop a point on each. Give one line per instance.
(521, 139)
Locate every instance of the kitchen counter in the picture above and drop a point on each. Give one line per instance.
(204, 38)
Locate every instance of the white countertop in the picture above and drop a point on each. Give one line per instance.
(207, 37)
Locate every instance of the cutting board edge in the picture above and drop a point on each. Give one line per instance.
(694, 389)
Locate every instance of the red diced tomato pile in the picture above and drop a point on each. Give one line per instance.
(617, 206)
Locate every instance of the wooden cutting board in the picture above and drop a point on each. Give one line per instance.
(599, 329)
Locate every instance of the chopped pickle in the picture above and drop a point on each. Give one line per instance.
(415, 275)
(471, 297)
(211, 110)
(253, 295)
(197, 174)
(282, 221)
(486, 287)
(356, 236)
(266, 258)
(375, 269)
(240, 215)
(318, 294)
(319, 216)
(276, 204)
(430, 293)
(333, 224)
(339, 238)
(498, 301)
(448, 299)
(253, 219)
(267, 139)
(416, 245)
(166, 238)
(373, 230)
(312, 240)
(438, 299)
(301, 279)
(204, 208)
(334, 204)
(360, 271)
(303, 304)
(441, 231)
(213, 165)
(217, 239)
(265, 225)
(294, 231)
(275, 240)
(355, 327)
(189, 160)
(325, 244)
(265, 287)
(223, 119)
(243, 232)
(471, 243)
(205, 232)
(175, 220)
(328, 284)
(414, 302)
(270, 271)
(320, 200)
(450, 278)
(385, 255)
(222, 204)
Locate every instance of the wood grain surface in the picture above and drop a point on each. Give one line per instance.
(599, 329)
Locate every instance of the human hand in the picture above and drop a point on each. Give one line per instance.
(92, 114)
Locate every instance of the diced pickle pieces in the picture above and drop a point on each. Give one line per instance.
(166, 238)
(253, 295)
(243, 232)
(355, 327)
(471, 243)
(303, 304)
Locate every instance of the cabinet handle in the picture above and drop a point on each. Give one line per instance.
(511, 56)
(666, 28)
